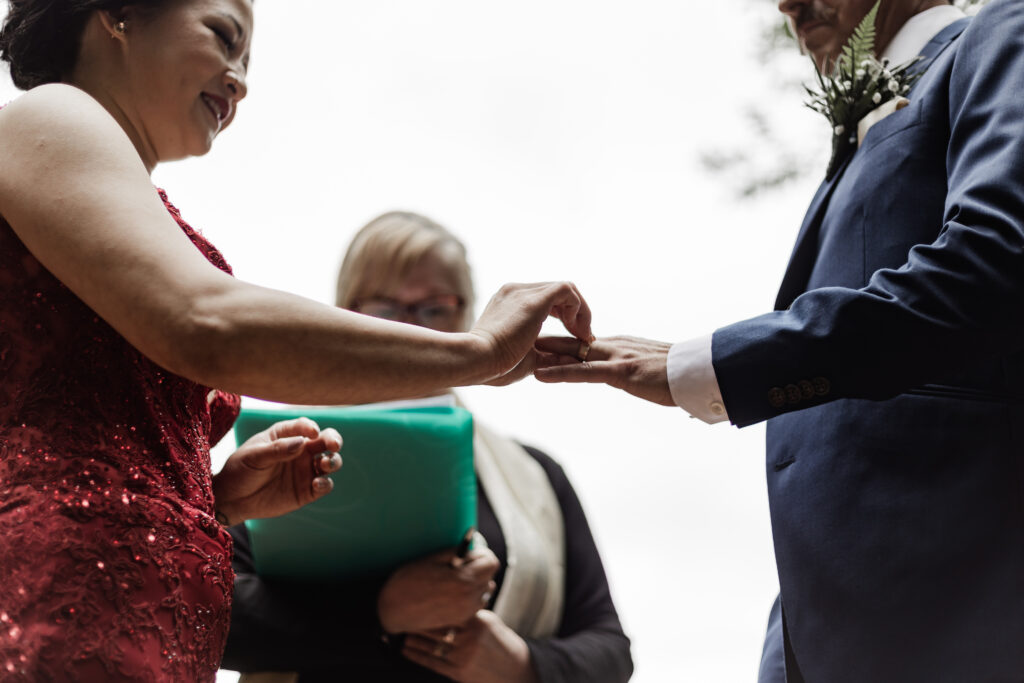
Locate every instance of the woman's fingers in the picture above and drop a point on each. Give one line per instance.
(261, 455)
(328, 463)
(524, 368)
(328, 441)
(571, 308)
(322, 486)
(300, 426)
(326, 459)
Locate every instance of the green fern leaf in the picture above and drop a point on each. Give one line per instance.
(862, 43)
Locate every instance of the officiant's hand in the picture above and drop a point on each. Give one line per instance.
(638, 366)
(483, 650)
(277, 471)
(513, 318)
(431, 593)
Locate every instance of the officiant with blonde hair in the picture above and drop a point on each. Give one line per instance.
(530, 603)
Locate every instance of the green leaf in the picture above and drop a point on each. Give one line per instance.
(861, 43)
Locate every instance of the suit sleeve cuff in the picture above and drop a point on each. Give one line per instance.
(692, 381)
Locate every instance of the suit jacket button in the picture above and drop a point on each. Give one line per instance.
(822, 386)
(792, 393)
(806, 389)
(777, 397)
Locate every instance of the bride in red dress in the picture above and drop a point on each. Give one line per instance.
(117, 320)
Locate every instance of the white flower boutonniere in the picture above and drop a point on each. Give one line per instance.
(859, 83)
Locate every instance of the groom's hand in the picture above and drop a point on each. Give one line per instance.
(638, 366)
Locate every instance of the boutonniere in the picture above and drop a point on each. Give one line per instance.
(858, 84)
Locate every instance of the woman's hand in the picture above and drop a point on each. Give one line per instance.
(436, 591)
(277, 471)
(510, 324)
(483, 650)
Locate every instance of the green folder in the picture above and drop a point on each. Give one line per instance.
(406, 488)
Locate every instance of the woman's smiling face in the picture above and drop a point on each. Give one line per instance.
(185, 72)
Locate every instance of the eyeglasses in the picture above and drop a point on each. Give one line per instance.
(444, 311)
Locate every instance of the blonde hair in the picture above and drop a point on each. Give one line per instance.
(384, 251)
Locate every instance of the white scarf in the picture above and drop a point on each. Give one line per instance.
(532, 593)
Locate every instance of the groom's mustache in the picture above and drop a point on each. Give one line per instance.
(812, 13)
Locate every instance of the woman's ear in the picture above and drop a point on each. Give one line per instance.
(115, 26)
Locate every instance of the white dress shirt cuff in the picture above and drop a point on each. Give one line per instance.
(692, 381)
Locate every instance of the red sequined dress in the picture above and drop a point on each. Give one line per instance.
(112, 566)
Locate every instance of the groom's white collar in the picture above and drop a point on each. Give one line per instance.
(910, 40)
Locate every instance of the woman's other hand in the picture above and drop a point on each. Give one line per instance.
(483, 650)
(277, 471)
(435, 591)
(513, 318)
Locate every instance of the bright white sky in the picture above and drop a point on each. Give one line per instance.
(560, 140)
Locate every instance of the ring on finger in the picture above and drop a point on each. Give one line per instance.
(583, 351)
(440, 650)
(449, 636)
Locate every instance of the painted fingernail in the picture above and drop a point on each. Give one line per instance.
(323, 483)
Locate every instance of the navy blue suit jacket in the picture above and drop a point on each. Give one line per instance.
(892, 377)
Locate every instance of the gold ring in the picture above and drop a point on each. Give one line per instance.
(583, 351)
(449, 636)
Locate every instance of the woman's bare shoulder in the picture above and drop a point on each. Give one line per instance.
(58, 112)
(57, 126)
(53, 104)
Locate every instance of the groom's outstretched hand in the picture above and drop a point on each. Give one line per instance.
(638, 366)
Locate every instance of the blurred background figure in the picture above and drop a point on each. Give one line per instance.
(530, 603)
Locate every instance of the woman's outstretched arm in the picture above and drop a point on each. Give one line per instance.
(76, 193)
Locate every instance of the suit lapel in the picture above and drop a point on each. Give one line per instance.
(802, 259)
(940, 42)
(801, 262)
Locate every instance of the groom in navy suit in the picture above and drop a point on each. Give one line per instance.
(891, 372)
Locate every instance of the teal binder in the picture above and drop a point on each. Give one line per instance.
(406, 488)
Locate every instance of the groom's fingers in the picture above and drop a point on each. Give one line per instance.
(570, 347)
(640, 379)
(551, 360)
(635, 365)
(602, 372)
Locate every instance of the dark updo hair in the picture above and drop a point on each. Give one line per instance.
(41, 38)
